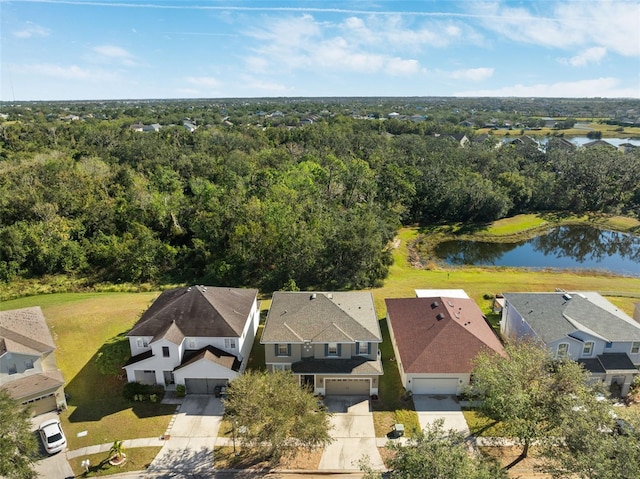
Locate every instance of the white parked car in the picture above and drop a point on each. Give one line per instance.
(52, 436)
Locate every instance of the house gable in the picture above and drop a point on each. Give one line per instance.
(296, 317)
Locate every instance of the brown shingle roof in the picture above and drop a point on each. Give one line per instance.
(25, 331)
(295, 317)
(197, 311)
(439, 335)
(215, 355)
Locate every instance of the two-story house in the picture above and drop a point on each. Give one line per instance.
(329, 340)
(199, 337)
(582, 326)
(28, 369)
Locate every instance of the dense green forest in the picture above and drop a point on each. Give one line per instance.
(268, 204)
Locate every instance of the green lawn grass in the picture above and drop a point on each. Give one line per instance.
(138, 459)
(481, 426)
(80, 324)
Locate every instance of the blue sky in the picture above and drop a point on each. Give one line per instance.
(126, 49)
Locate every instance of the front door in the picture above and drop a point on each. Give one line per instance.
(168, 378)
(308, 380)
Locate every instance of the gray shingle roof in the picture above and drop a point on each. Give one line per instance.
(554, 316)
(296, 317)
(197, 311)
(354, 365)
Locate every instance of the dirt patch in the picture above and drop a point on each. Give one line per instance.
(525, 469)
(224, 458)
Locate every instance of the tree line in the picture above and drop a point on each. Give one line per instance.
(314, 206)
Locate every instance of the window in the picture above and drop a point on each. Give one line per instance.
(563, 349)
(13, 369)
(608, 345)
(230, 343)
(332, 349)
(165, 352)
(283, 350)
(191, 344)
(28, 364)
(142, 343)
(587, 349)
(363, 348)
(635, 347)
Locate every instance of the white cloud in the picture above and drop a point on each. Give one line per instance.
(67, 72)
(600, 87)
(402, 67)
(207, 82)
(471, 74)
(605, 23)
(112, 52)
(590, 55)
(32, 30)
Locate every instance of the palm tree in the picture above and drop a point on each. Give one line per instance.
(116, 453)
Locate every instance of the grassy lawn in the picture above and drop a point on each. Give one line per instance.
(138, 459)
(481, 426)
(80, 324)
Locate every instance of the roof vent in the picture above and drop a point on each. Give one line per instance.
(439, 316)
(313, 296)
(330, 295)
(434, 305)
(566, 296)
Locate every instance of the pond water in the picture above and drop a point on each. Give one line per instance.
(566, 247)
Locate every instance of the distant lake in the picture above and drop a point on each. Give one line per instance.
(579, 140)
(566, 247)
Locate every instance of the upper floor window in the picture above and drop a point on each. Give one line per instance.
(13, 369)
(363, 348)
(230, 343)
(609, 345)
(165, 352)
(562, 351)
(635, 347)
(283, 349)
(191, 343)
(332, 349)
(28, 363)
(587, 349)
(142, 343)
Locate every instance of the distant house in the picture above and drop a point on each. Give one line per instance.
(199, 337)
(189, 125)
(598, 143)
(28, 369)
(525, 140)
(560, 144)
(436, 338)
(152, 127)
(328, 340)
(461, 138)
(627, 147)
(582, 326)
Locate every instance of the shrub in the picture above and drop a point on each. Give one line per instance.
(181, 390)
(142, 392)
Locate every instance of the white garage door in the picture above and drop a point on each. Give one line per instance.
(434, 385)
(347, 387)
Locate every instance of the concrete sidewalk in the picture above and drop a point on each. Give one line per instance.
(128, 444)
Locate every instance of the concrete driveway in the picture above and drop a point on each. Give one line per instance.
(192, 437)
(430, 408)
(353, 435)
(53, 466)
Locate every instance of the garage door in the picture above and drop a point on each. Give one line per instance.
(347, 387)
(434, 386)
(42, 405)
(202, 385)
